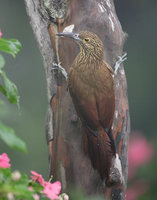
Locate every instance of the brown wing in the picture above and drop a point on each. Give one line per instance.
(84, 100)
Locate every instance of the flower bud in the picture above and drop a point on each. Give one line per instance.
(36, 197)
(65, 196)
(16, 175)
(10, 196)
(30, 188)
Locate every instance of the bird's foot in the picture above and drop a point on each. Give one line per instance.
(61, 69)
(120, 60)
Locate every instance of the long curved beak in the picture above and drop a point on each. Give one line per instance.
(74, 36)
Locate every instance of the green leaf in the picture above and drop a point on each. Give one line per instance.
(22, 192)
(5, 174)
(8, 136)
(9, 89)
(2, 90)
(11, 46)
(36, 186)
(2, 61)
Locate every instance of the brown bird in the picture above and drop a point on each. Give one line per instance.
(91, 87)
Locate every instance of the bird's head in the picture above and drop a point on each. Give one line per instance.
(89, 42)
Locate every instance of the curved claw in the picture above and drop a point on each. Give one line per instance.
(121, 60)
(59, 67)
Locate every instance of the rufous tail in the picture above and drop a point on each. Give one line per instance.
(101, 148)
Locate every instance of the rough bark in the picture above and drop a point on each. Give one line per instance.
(63, 129)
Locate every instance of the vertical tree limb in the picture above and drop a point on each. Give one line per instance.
(67, 160)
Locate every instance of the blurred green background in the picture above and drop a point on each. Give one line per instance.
(28, 74)
(138, 19)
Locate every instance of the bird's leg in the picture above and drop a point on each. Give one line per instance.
(120, 60)
(61, 69)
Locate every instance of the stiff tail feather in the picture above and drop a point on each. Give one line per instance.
(101, 149)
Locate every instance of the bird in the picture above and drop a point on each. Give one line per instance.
(91, 87)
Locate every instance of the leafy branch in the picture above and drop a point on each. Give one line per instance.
(10, 91)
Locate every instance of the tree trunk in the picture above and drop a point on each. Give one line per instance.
(67, 161)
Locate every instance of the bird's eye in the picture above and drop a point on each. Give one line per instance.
(86, 39)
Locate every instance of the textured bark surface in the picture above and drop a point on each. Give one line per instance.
(63, 129)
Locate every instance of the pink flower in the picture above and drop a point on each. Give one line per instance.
(4, 161)
(52, 190)
(37, 177)
(36, 196)
(139, 153)
(0, 33)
